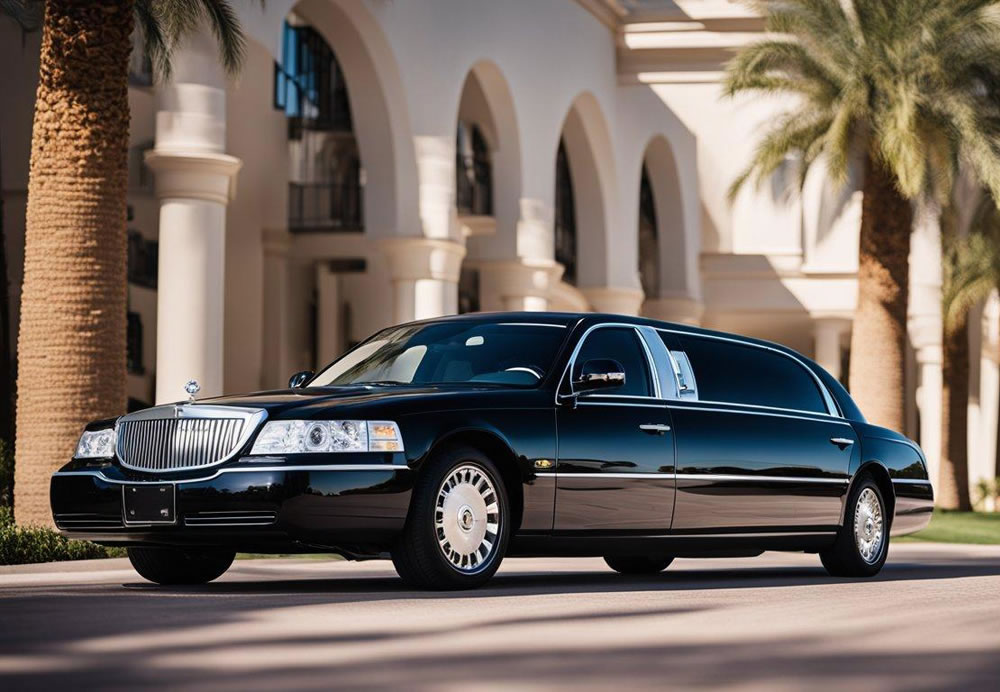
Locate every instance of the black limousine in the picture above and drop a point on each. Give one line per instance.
(449, 444)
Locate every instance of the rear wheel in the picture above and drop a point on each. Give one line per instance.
(175, 566)
(862, 544)
(638, 564)
(457, 530)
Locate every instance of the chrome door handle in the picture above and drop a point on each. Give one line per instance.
(841, 441)
(654, 428)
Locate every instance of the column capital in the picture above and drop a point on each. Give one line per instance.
(614, 300)
(517, 284)
(200, 175)
(416, 258)
(680, 309)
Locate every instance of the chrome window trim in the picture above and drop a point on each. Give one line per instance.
(253, 469)
(576, 351)
(643, 404)
(653, 371)
(724, 407)
(662, 362)
(531, 324)
(832, 408)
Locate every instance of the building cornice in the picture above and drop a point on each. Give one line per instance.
(610, 13)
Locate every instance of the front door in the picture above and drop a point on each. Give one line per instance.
(615, 469)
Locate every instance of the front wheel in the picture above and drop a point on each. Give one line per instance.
(457, 530)
(638, 564)
(175, 566)
(862, 544)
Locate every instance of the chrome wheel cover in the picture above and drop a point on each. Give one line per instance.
(869, 528)
(467, 519)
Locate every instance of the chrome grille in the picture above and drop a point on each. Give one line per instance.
(175, 438)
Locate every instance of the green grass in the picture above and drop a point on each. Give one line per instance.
(961, 527)
(21, 545)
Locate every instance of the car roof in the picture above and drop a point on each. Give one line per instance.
(572, 318)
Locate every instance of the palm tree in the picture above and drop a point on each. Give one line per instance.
(71, 345)
(963, 272)
(971, 274)
(908, 87)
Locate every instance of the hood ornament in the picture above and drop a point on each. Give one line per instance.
(192, 388)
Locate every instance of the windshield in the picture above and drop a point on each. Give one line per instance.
(516, 354)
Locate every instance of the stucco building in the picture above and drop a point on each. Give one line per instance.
(384, 160)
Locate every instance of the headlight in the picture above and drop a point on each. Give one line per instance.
(97, 444)
(327, 436)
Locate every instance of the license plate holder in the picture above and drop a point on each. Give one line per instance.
(149, 503)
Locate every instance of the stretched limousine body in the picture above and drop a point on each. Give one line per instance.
(449, 444)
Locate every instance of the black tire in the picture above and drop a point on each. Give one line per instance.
(419, 556)
(169, 566)
(845, 558)
(638, 564)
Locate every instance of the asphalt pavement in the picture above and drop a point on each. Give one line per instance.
(931, 620)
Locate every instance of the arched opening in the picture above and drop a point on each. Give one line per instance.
(487, 176)
(473, 172)
(565, 216)
(325, 190)
(584, 199)
(663, 264)
(649, 245)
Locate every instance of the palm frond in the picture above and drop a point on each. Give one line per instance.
(228, 33)
(794, 133)
(27, 14)
(917, 82)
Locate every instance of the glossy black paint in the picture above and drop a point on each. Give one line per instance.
(699, 478)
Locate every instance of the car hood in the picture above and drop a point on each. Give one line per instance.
(308, 402)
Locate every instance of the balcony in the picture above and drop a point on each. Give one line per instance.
(325, 207)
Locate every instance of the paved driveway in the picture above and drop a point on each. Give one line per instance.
(930, 621)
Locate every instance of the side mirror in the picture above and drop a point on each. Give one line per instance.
(598, 374)
(299, 379)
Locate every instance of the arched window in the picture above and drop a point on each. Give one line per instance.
(565, 226)
(473, 172)
(309, 84)
(326, 192)
(649, 246)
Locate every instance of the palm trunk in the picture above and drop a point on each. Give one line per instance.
(878, 337)
(7, 375)
(72, 339)
(953, 492)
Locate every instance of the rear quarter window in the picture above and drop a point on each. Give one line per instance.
(733, 373)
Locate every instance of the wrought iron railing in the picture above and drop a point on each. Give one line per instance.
(325, 207)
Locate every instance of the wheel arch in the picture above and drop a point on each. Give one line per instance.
(500, 452)
(880, 474)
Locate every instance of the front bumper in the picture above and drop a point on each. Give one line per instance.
(353, 505)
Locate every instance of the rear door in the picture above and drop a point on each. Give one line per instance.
(615, 469)
(760, 443)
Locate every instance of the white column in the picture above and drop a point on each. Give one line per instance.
(194, 182)
(275, 350)
(830, 334)
(328, 323)
(517, 285)
(616, 301)
(925, 331)
(424, 276)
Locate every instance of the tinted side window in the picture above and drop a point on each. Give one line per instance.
(620, 344)
(746, 375)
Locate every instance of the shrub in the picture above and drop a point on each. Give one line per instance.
(6, 474)
(21, 544)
